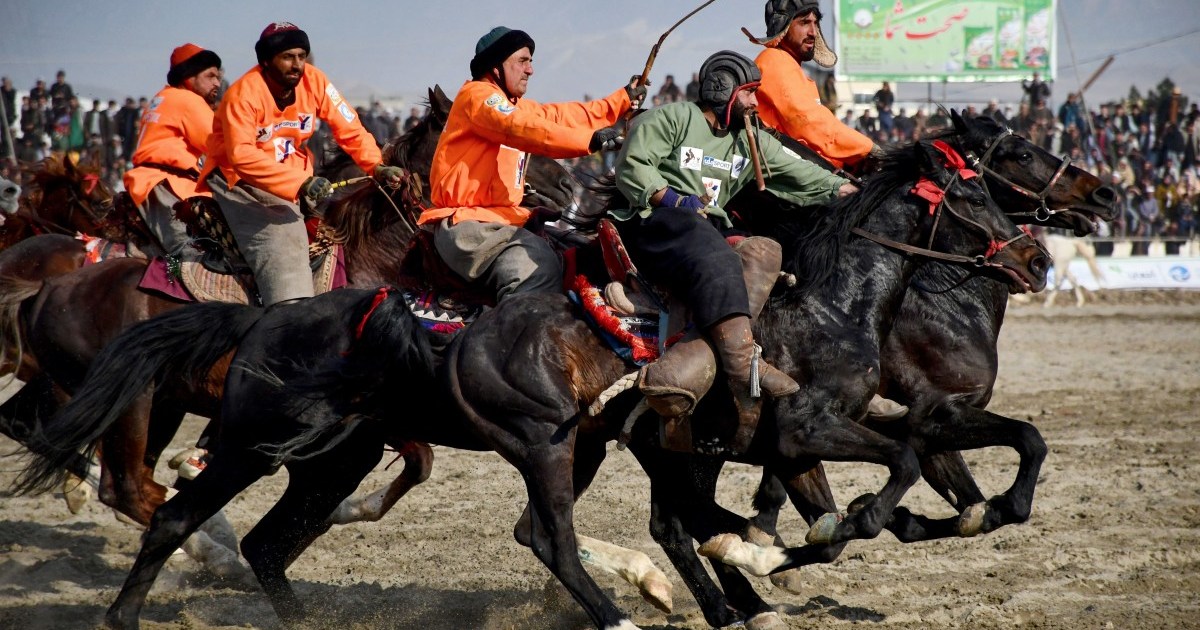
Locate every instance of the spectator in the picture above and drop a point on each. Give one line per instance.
(1035, 90)
(97, 128)
(1122, 120)
(905, 126)
(415, 115)
(669, 92)
(126, 128)
(76, 138)
(884, 99)
(1172, 147)
(1191, 145)
(38, 91)
(1070, 114)
(61, 95)
(938, 120)
(866, 124)
(920, 123)
(9, 95)
(993, 111)
(692, 91)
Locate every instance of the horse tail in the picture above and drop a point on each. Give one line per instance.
(183, 343)
(390, 361)
(13, 292)
(1088, 251)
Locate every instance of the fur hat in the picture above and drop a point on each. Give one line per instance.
(496, 46)
(779, 16)
(189, 60)
(278, 37)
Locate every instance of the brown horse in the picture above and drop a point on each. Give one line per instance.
(67, 319)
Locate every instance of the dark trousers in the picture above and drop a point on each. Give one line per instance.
(682, 251)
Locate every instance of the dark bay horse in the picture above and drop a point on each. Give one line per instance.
(66, 320)
(523, 375)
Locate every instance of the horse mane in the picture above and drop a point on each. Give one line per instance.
(813, 238)
(355, 217)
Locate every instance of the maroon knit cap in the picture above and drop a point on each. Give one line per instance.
(278, 37)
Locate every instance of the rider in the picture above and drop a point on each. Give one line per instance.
(175, 131)
(679, 166)
(258, 165)
(788, 101)
(478, 174)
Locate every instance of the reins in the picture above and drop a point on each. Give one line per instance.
(936, 196)
(412, 194)
(1043, 212)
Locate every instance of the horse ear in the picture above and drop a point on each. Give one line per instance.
(960, 124)
(68, 165)
(439, 103)
(926, 157)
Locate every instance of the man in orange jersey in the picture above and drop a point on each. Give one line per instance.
(787, 99)
(478, 174)
(175, 131)
(258, 164)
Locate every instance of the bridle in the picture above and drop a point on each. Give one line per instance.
(930, 191)
(1043, 212)
(89, 183)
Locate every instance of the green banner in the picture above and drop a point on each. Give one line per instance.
(944, 40)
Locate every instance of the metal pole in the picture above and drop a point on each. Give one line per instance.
(8, 139)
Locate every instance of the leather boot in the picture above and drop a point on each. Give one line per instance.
(739, 356)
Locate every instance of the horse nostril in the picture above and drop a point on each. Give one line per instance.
(11, 190)
(1104, 195)
(1039, 264)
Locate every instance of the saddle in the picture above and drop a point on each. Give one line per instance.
(218, 273)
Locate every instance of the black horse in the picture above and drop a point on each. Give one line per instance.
(522, 376)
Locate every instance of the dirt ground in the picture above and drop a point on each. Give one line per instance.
(1114, 541)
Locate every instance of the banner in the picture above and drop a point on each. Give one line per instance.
(945, 40)
(1173, 272)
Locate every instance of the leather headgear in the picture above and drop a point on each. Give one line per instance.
(722, 74)
(779, 16)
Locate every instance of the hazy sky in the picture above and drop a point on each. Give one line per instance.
(396, 49)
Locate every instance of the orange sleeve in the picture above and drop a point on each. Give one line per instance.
(789, 102)
(524, 126)
(347, 129)
(595, 114)
(196, 123)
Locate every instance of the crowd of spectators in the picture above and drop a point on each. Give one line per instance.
(1151, 158)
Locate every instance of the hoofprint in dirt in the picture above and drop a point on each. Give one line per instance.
(1114, 540)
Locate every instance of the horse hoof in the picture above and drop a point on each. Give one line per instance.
(759, 537)
(970, 522)
(791, 581)
(656, 589)
(823, 530)
(719, 546)
(766, 621)
(76, 492)
(188, 462)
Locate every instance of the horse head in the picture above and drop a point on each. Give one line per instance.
(68, 198)
(1030, 183)
(961, 219)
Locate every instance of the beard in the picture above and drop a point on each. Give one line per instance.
(282, 79)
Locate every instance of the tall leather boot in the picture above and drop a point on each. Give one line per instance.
(686, 371)
(748, 374)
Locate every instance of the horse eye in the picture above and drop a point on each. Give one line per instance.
(1026, 157)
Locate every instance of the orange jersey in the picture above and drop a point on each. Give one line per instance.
(174, 134)
(478, 170)
(788, 101)
(253, 140)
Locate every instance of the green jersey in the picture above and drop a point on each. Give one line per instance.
(675, 146)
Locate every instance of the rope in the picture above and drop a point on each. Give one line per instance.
(623, 384)
(642, 407)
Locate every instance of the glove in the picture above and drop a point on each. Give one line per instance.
(316, 189)
(637, 93)
(605, 139)
(672, 199)
(393, 176)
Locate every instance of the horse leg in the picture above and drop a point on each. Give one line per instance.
(632, 566)
(948, 474)
(418, 463)
(828, 437)
(677, 481)
(127, 482)
(551, 533)
(809, 492)
(315, 488)
(962, 427)
(177, 519)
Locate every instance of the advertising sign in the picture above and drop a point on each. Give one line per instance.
(944, 40)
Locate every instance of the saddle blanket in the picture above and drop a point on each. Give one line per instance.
(191, 281)
(633, 338)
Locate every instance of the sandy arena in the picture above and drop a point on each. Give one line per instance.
(1114, 541)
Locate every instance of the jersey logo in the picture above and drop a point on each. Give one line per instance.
(691, 158)
(346, 112)
(739, 164)
(713, 162)
(264, 133)
(712, 188)
(155, 102)
(335, 97)
(284, 147)
(306, 122)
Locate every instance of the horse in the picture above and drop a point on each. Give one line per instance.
(67, 319)
(1064, 249)
(62, 198)
(10, 194)
(520, 377)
